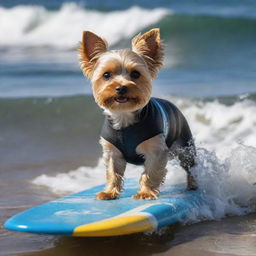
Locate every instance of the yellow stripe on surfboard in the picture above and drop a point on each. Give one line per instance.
(116, 226)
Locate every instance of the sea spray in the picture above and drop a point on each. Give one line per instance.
(228, 185)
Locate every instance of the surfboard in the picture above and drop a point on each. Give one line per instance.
(82, 215)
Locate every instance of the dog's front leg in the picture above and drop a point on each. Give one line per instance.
(155, 152)
(115, 166)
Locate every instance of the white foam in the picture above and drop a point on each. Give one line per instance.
(227, 185)
(226, 160)
(79, 179)
(219, 127)
(37, 26)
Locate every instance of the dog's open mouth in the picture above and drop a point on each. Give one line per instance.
(121, 99)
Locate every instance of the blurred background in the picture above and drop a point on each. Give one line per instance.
(50, 124)
(210, 45)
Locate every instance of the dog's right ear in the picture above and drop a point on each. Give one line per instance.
(91, 47)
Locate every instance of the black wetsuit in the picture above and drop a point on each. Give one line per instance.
(158, 116)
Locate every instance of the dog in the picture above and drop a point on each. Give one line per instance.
(138, 128)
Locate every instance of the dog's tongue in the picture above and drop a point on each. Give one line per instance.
(121, 99)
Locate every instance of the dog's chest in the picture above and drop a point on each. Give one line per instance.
(148, 125)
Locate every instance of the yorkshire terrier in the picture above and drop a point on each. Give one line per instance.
(138, 129)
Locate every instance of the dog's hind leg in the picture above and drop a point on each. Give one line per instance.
(186, 156)
(186, 152)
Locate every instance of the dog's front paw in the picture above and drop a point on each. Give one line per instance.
(107, 195)
(149, 195)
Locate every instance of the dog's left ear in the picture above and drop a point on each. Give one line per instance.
(150, 47)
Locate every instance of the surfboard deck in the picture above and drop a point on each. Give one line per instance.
(81, 214)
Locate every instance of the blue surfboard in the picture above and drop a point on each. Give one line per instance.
(81, 214)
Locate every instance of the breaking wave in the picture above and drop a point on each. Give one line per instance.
(32, 26)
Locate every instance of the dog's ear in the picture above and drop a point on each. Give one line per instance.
(150, 47)
(91, 47)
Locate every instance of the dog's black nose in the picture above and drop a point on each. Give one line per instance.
(121, 89)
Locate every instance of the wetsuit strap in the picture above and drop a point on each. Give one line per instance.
(164, 117)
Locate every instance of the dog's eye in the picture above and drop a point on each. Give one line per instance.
(135, 74)
(106, 75)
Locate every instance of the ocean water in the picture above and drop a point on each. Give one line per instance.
(50, 124)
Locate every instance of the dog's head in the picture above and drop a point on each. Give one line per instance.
(121, 79)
